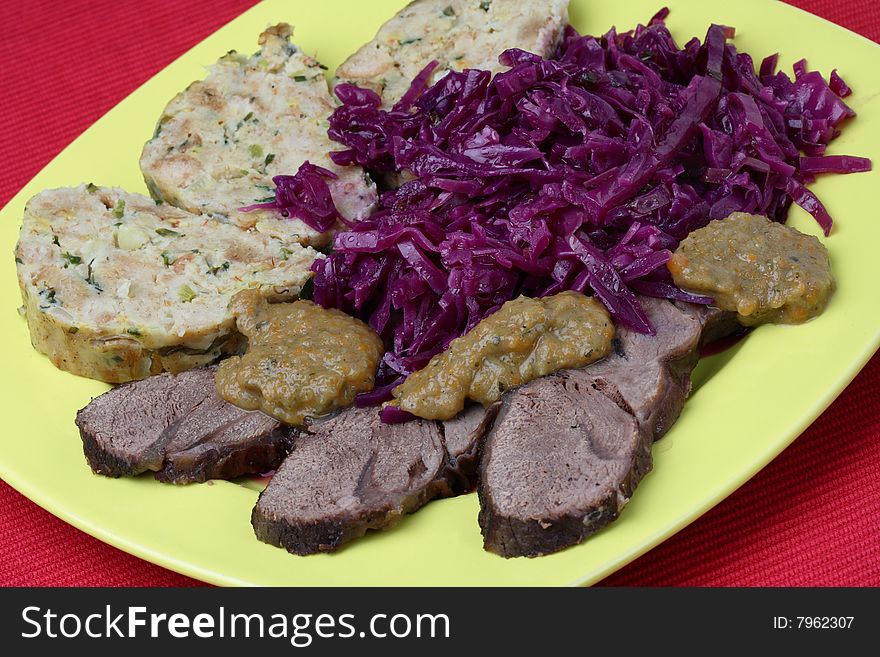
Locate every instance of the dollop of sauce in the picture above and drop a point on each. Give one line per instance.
(764, 271)
(524, 340)
(301, 361)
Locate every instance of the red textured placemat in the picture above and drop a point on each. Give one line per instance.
(809, 518)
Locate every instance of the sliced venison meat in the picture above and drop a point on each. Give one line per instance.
(458, 432)
(377, 473)
(716, 323)
(177, 427)
(649, 375)
(461, 436)
(220, 441)
(559, 464)
(348, 474)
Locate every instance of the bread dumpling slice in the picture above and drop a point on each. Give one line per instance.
(457, 34)
(117, 287)
(219, 143)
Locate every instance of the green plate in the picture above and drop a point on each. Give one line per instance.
(748, 404)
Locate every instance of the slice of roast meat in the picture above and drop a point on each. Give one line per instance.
(351, 472)
(461, 436)
(348, 474)
(649, 375)
(220, 441)
(716, 323)
(177, 427)
(559, 464)
(546, 440)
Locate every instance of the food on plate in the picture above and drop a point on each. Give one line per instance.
(630, 399)
(573, 222)
(717, 324)
(523, 340)
(461, 438)
(178, 428)
(761, 270)
(457, 34)
(379, 473)
(582, 171)
(116, 287)
(649, 375)
(219, 142)
(567, 451)
(574, 444)
(559, 464)
(301, 360)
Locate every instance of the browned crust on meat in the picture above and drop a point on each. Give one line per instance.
(100, 460)
(198, 465)
(304, 538)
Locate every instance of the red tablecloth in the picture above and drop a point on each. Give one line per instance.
(809, 518)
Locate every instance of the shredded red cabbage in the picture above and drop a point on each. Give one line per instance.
(580, 172)
(304, 196)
